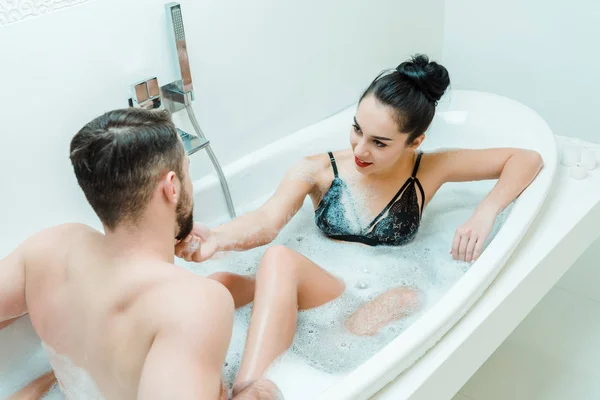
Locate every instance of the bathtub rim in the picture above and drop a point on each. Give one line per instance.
(380, 369)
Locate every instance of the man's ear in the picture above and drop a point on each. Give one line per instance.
(170, 187)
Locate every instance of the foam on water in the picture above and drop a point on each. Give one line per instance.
(323, 350)
(322, 343)
(76, 383)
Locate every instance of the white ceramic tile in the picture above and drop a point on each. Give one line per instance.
(519, 373)
(564, 326)
(584, 276)
(493, 381)
(552, 355)
(460, 396)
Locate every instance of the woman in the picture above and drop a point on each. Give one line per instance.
(384, 168)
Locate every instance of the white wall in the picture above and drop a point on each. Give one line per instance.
(539, 52)
(543, 53)
(261, 69)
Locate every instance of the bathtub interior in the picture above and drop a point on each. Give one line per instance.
(464, 119)
(323, 350)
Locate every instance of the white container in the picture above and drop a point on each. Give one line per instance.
(577, 171)
(588, 159)
(571, 155)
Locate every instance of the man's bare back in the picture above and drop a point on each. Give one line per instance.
(118, 318)
(107, 312)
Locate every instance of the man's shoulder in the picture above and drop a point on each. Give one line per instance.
(55, 240)
(60, 232)
(186, 300)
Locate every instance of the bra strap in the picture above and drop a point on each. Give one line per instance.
(332, 159)
(417, 162)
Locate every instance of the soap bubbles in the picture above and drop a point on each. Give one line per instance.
(322, 343)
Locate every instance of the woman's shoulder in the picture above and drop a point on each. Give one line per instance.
(317, 167)
(437, 155)
(321, 162)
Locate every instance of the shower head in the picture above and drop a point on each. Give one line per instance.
(175, 23)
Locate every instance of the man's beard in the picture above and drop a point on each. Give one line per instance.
(185, 221)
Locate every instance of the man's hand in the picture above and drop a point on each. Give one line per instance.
(200, 245)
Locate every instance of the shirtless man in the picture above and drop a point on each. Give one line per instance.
(112, 306)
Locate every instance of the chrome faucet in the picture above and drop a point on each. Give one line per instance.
(146, 94)
(178, 95)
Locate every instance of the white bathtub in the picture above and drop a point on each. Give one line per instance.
(464, 119)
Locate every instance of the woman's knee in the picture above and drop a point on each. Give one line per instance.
(225, 278)
(278, 252)
(278, 260)
(406, 299)
(389, 306)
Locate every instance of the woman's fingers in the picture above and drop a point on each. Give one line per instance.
(456, 244)
(188, 247)
(467, 245)
(471, 248)
(478, 248)
(462, 248)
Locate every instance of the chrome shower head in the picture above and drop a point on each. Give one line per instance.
(175, 22)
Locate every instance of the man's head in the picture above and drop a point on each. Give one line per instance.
(124, 158)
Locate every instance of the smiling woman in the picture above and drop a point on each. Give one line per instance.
(380, 201)
(374, 193)
(393, 294)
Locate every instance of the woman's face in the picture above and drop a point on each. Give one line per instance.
(376, 141)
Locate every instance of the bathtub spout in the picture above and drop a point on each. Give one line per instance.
(148, 95)
(192, 143)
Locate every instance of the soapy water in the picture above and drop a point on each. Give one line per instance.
(76, 381)
(323, 349)
(322, 342)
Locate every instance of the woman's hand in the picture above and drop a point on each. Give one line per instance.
(200, 245)
(471, 236)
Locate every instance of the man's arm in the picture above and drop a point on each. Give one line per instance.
(187, 354)
(12, 287)
(41, 245)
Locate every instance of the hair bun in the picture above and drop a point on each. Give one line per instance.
(430, 78)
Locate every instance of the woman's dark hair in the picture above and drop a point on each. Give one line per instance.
(119, 157)
(412, 91)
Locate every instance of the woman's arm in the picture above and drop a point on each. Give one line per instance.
(514, 168)
(261, 226)
(258, 227)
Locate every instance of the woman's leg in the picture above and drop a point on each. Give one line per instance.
(262, 389)
(36, 389)
(390, 306)
(241, 287)
(285, 282)
(6, 323)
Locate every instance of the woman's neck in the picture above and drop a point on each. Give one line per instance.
(400, 169)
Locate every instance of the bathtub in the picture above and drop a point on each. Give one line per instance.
(464, 119)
